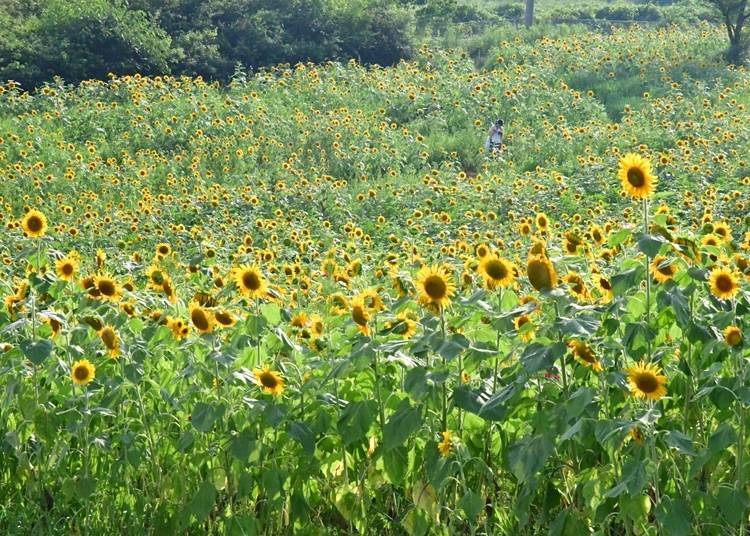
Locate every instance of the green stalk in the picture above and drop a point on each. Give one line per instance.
(648, 278)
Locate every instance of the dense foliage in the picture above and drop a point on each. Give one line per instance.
(308, 301)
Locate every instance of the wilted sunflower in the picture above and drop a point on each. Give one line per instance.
(733, 336)
(270, 381)
(663, 269)
(83, 372)
(34, 224)
(585, 354)
(495, 271)
(201, 318)
(435, 287)
(646, 381)
(724, 283)
(250, 281)
(111, 341)
(636, 176)
(541, 273)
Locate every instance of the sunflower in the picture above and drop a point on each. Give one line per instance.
(155, 276)
(106, 287)
(83, 372)
(316, 326)
(225, 318)
(53, 323)
(34, 224)
(646, 381)
(637, 436)
(446, 445)
(585, 354)
(663, 269)
(541, 273)
(733, 336)
(435, 287)
(724, 283)
(168, 288)
(163, 249)
(576, 286)
(67, 267)
(521, 321)
(338, 304)
(404, 324)
(250, 281)
(111, 341)
(201, 318)
(270, 381)
(360, 314)
(495, 271)
(636, 177)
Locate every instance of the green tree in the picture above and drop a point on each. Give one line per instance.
(734, 14)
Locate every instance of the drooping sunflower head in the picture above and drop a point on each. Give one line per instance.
(636, 176)
(733, 336)
(34, 224)
(111, 341)
(360, 314)
(525, 327)
(270, 381)
(495, 271)
(541, 273)
(663, 269)
(646, 381)
(724, 283)
(576, 286)
(338, 304)
(250, 281)
(585, 354)
(224, 318)
(435, 287)
(83, 372)
(446, 445)
(201, 318)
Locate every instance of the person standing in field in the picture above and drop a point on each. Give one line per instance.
(494, 142)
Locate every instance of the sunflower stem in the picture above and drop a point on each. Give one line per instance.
(445, 383)
(648, 279)
(257, 336)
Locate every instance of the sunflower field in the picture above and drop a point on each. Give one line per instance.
(308, 302)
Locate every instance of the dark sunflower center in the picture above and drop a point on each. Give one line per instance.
(636, 178)
(106, 287)
(81, 373)
(34, 224)
(435, 287)
(108, 338)
(251, 280)
(224, 318)
(268, 380)
(647, 382)
(724, 283)
(199, 319)
(359, 316)
(496, 270)
(605, 284)
(163, 250)
(67, 268)
(667, 269)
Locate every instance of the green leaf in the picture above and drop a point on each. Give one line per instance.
(396, 464)
(202, 503)
(538, 357)
(36, 351)
(651, 244)
(242, 445)
(527, 457)
(615, 239)
(675, 516)
(356, 419)
(474, 400)
(722, 438)
(681, 442)
(498, 400)
(471, 503)
(301, 433)
(581, 326)
(205, 415)
(626, 280)
(271, 312)
(733, 504)
(401, 425)
(255, 325)
(453, 346)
